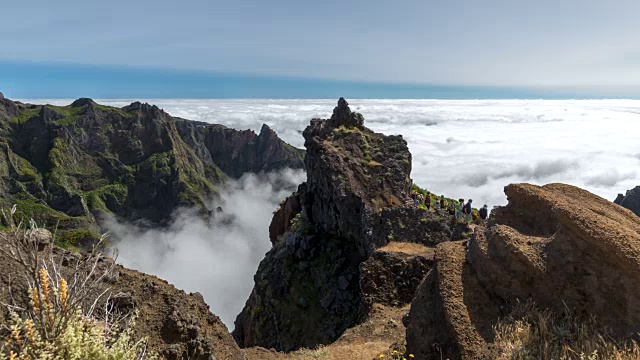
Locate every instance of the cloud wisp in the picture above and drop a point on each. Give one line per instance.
(218, 257)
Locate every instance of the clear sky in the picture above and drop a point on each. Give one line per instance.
(577, 46)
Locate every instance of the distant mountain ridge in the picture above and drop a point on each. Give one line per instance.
(68, 165)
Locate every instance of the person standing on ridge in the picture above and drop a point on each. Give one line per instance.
(443, 202)
(427, 201)
(467, 211)
(483, 212)
(459, 209)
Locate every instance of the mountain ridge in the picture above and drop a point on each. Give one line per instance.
(69, 166)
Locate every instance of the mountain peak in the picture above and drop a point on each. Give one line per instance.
(81, 102)
(343, 116)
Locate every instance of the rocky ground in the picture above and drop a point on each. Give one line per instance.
(557, 245)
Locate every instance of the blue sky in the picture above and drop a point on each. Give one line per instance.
(286, 48)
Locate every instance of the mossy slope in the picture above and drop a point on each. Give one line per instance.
(67, 166)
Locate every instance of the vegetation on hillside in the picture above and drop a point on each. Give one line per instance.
(60, 321)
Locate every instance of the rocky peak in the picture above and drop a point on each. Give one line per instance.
(1, 96)
(342, 116)
(353, 174)
(81, 102)
(309, 287)
(631, 200)
(146, 109)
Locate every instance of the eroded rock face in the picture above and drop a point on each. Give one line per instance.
(390, 276)
(70, 165)
(175, 324)
(631, 200)
(309, 288)
(283, 216)
(557, 245)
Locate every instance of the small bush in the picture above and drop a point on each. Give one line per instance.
(50, 329)
(58, 322)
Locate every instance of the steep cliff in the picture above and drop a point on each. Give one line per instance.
(321, 276)
(70, 165)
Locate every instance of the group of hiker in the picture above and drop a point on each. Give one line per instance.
(461, 210)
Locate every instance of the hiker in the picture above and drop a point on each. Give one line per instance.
(443, 202)
(452, 208)
(427, 201)
(420, 199)
(459, 209)
(467, 211)
(484, 212)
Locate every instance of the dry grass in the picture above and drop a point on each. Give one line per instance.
(408, 248)
(531, 333)
(381, 332)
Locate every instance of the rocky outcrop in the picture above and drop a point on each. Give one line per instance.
(390, 276)
(175, 324)
(310, 287)
(631, 200)
(283, 216)
(70, 165)
(558, 245)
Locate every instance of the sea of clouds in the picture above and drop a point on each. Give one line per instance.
(461, 148)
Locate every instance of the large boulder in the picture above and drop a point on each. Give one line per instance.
(557, 245)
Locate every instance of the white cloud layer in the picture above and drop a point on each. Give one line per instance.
(217, 259)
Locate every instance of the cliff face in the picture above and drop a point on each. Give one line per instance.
(72, 164)
(558, 245)
(310, 286)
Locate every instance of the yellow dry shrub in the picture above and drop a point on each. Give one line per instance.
(49, 330)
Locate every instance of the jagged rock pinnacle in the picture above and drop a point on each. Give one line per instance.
(342, 115)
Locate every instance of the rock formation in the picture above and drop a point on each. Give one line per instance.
(557, 245)
(70, 165)
(631, 200)
(324, 273)
(175, 324)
